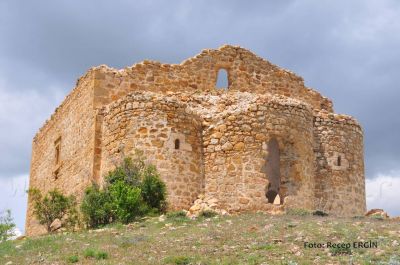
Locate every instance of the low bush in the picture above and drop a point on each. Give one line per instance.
(6, 226)
(131, 190)
(96, 207)
(126, 202)
(153, 189)
(54, 205)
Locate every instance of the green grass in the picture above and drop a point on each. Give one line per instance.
(178, 260)
(73, 259)
(251, 238)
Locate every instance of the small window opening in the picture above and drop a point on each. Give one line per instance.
(177, 144)
(339, 161)
(57, 151)
(222, 79)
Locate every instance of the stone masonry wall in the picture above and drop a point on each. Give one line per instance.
(72, 128)
(236, 151)
(340, 183)
(144, 122)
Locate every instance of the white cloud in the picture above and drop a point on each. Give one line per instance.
(13, 196)
(383, 192)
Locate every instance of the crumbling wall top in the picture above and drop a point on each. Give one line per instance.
(246, 72)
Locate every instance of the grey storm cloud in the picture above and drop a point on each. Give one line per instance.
(347, 50)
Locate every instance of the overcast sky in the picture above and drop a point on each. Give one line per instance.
(347, 50)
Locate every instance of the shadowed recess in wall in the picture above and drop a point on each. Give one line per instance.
(272, 170)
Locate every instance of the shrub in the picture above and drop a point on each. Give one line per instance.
(131, 190)
(129, 171)
(54, 205)
(153, 189)
(126, 202)
(96, 207)
(6, 226)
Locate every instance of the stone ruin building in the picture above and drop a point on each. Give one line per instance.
(265, 135)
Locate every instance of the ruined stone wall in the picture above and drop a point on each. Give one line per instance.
(71, 128)
(236, 153)
(340, 183)
(144, 122)
(223, 135)
(246, 72)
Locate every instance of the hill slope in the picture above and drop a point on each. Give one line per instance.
(253, 238)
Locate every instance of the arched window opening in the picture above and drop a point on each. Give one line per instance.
(339, 161)
(177, 144)
(222, 79)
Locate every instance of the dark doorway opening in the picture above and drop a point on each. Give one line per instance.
(272, 170)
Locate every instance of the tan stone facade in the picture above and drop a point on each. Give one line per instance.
(205, 140)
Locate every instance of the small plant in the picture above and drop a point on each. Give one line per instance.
(101, 255)
(178, 260)
(54, 205)
(73, 259)
(207, 214)
(89, 253)
(6, 226)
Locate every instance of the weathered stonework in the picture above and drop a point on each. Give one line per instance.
(205, 140)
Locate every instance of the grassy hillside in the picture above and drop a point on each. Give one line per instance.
(255, 238)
